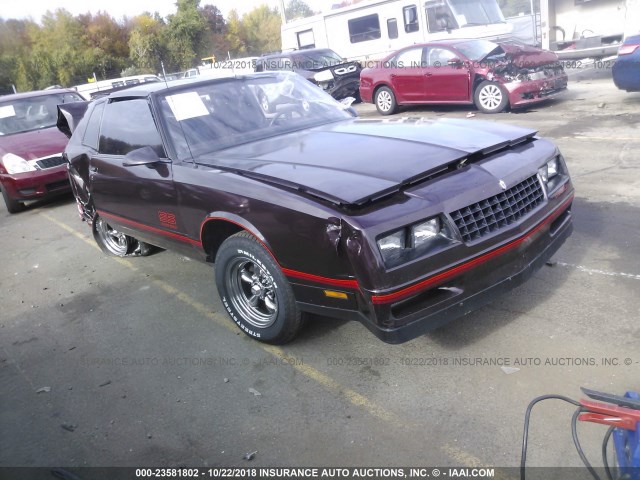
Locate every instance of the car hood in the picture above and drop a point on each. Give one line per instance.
(525, 56)
(34, 144)
(357, 161)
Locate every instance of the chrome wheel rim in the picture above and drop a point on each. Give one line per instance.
(384, 101)
(252, 292)
(490, 97)
(115, 241)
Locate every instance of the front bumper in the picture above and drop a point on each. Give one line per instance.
(534, 91)
(38, 184)
(403, 315)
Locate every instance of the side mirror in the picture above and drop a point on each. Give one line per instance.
(455, 63)
(141, 156)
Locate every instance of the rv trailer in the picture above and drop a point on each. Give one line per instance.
(371, 29)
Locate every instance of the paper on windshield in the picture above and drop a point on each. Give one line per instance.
(187, 105)
(7, 111)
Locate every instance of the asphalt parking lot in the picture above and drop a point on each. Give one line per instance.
(133, 362)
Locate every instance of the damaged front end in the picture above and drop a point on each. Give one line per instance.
(529, 77)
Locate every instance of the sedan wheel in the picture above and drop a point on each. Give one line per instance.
(490, 97)
(110, 240)
(255, 292)
(386, 101)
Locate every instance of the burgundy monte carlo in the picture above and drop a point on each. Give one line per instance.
(31, 163)
(490, 75)
(402, 225)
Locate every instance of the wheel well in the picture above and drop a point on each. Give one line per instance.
(378, 87)
(214, 233)
(476, 81)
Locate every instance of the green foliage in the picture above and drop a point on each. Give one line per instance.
(68, 50)
(297, 9)
(186, 32)
(260, 29)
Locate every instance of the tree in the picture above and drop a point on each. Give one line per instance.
(186, 33)
(147, 43)
(108, 41)
(235, 37)
(216, 37)
(297, 9)
(258, 31)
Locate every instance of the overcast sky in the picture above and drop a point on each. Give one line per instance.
(119, 8)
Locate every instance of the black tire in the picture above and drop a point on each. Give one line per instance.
(385, 101)
(490, 97)
(255, 292)
(13, 206)
(110, 240)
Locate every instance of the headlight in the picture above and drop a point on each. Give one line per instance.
(15, 164)
(392, 245)
(324, 76)
(549, 170)
(423, 232)
(414, 241)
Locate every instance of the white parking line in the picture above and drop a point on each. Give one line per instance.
(592, 271)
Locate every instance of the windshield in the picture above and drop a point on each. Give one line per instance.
(205, 118)
(316, 59)
(476, 12)
(26, 114)
(476, 49)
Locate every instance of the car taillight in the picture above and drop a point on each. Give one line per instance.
(627, 49)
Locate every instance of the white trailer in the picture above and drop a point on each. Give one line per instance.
(371, 29)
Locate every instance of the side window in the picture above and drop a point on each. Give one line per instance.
(128, 125)
(439, 18)
(306, 39)
(438, 57)
(392, 28)
(90, 138)
(410, 15)
(364, 28)
(411, 58)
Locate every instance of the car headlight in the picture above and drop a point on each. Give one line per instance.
(414, 240)
(15, 164)
(324, 76)
(549, 170)
(423, 232)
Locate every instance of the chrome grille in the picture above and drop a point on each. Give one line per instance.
(50, 162)
(493, 213)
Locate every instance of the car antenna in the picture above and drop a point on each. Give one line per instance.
(164, 74)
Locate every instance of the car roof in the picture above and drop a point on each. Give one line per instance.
(36, 93)
(143, 90)
(289, 53)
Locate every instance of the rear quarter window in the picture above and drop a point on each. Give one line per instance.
(128, 125)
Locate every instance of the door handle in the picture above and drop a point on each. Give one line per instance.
(428, 74)
(393, 75)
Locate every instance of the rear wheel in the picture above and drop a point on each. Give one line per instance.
(386, 101)
(13, 206)
(255, 292)
(490, 97)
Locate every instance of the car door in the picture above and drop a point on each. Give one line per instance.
(446, 80)
(407, 76)
(126, 190)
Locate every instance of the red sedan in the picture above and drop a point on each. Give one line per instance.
(31, 163)
(493, 76)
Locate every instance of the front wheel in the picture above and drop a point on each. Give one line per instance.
(490, 97)
(110, 240)
(386, 101)
(255, 292)
(13, 206)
